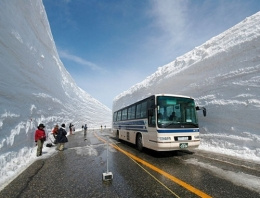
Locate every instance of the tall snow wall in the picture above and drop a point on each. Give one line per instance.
(35, 86)
(223, 75)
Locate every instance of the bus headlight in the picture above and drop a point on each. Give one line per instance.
(197, 137)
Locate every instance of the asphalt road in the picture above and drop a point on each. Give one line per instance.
(77, 172)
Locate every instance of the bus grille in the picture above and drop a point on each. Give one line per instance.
(182, 138)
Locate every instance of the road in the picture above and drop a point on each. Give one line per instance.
(78, 170)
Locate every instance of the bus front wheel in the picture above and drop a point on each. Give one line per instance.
(139, 142)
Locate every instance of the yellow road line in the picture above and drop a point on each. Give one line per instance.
(167, 175)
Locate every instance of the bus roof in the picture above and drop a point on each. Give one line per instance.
(137, 101)
(174, 95)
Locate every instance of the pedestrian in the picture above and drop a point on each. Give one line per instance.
(61, 138)
(70, 127)
(85, 131)
(40, 137)
(55, 132)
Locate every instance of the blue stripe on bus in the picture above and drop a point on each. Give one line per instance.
(139, 122)
(177, 130)
(138, 125)
(132, 129)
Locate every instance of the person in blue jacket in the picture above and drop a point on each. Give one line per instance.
(61, 138)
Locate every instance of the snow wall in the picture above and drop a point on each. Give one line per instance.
(35, 86)
(223, 75)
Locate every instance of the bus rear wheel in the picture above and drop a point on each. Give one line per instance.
(139, 142)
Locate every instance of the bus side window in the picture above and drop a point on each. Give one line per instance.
(144, 109)
(129, 113)
(138, 111)
(115, 115)
(124, 114)
(118, 116)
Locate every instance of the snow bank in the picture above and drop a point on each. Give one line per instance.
(35, 86)
(223, 75)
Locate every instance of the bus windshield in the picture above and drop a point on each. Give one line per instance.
(176, 112)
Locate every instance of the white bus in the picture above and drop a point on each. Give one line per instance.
(161, 122)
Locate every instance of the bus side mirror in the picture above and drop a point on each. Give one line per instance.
(203, 110)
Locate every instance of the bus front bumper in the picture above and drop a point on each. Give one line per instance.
(176, 145)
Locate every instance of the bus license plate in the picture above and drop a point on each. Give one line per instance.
(183, 145)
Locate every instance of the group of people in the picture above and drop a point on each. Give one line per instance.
(59, 134)
(102, 127)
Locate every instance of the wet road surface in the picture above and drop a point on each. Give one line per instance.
(77, 172)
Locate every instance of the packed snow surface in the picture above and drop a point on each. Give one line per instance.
(222, 75)
(35, 86)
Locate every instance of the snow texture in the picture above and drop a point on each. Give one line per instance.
(223, 75)
(35, 86)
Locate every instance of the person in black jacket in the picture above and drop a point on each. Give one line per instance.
(61, 138)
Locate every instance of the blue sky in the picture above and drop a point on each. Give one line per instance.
(109, 45)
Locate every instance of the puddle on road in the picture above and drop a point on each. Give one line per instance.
(86, 151)
(90, 150)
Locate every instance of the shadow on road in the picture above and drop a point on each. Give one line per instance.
(158, 154)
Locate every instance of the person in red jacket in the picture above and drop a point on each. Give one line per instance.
(40, 137)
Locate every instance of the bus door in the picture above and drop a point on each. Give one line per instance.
(152, 133)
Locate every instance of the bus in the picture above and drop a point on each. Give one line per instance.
(161, 122)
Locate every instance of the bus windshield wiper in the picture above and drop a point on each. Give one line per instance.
(180, 124)
(169, 124)
(193, 124)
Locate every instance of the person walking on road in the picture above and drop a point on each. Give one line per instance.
(40, 137)
(70, 127)
(85, 131)
(61, 138)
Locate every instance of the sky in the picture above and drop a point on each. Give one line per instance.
(109, 46)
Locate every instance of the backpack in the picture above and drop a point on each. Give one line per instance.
(49, 145)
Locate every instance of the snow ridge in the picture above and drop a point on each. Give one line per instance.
(223, 74)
